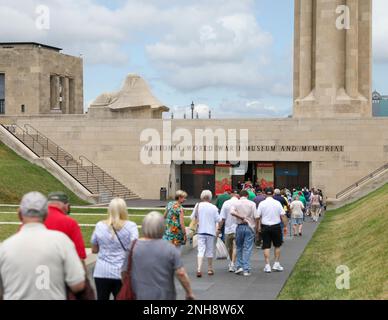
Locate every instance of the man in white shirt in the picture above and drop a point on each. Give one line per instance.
(230, 229)
(270, 214)
(37, 263)
(244, 210)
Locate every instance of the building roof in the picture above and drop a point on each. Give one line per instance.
(30, 43)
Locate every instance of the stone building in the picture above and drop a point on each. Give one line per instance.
(39, 79)
(332, 142)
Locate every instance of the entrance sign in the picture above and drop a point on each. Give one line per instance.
(265, 173)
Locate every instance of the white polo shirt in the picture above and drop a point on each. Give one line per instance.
(37, 263)
(230, 221)
(270, 212)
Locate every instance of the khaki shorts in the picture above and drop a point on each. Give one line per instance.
(230, 241)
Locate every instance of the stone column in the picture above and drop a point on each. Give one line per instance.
(65, 95)
(306, 47)
(330, 53)
(352, 51)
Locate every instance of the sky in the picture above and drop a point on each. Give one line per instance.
(231, 57)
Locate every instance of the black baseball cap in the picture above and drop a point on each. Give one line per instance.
(269, 191)
(58, 196)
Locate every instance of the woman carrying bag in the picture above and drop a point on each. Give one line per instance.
(152, 264)
(111, 241)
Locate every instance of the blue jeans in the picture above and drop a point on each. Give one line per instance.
(245, 238)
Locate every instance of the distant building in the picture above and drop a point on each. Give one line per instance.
(39, 79)
(380, 105)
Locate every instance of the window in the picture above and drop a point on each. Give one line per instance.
(2, 93)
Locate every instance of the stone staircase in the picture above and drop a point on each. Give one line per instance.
(89, 175)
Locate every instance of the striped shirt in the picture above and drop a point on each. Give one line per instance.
(111, 255)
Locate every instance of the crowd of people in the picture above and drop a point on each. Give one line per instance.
(45, 259)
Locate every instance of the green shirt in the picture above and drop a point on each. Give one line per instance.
(221, 199)
(251, 195)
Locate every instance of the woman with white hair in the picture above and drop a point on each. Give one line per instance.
(111, 240)
(207, 217)
(154, 263)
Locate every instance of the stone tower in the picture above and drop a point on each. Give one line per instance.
(333, 59)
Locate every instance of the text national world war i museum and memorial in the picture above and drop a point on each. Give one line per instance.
(134, 152)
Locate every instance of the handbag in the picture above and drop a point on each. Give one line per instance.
(126, 292)
(194, 222)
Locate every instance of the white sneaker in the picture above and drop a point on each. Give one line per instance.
(238, 271)
(277, 267)
(267, 268)
(232, 268)
(246, 274)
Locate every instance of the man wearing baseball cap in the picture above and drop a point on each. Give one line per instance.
(269, 215)
(58, 219)
(37, 263)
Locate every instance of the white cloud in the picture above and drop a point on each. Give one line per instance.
(380, 31)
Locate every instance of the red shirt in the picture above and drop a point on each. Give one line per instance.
(57, 220)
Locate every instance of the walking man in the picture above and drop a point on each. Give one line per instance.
(36, 263)
(270, 214)
(230, 229)
(244, 210)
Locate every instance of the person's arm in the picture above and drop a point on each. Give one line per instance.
(234, 213)
(165, 213)
(182, 222)
(185, 282)
(78, 240)
(75, 273)
(95, 248)
(94, 242)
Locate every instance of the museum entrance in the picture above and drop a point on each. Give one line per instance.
(195, 178)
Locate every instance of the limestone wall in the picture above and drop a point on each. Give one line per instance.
(115, 146)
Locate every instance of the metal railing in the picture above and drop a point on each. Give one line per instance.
(66, 161)
(362, 181)
(107, 179)
(49, 143)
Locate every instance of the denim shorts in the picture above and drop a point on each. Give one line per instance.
(296, 221)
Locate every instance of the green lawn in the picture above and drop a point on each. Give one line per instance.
(355, 236)
(18, 176)
(6, 215)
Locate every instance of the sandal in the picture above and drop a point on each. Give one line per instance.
(210, 273)
(199, 274)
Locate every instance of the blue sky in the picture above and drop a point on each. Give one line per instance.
(232, 57)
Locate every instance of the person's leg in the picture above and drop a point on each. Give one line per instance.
(300, 228)
(294, 228)
(210, 252)
(201, 251)
(277, 254)
(234, 254)
(229, 246)
(267, 253)
(116, 287)
(239, 249)
(103, 288)
(248, 247)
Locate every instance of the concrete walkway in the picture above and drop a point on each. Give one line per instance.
(259, 286)
(228, 286)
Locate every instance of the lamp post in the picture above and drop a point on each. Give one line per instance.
(192, 110)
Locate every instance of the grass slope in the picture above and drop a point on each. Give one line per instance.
(18, 176)
(355, 236)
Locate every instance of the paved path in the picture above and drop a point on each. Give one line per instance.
(259, 286)
(228, 286)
